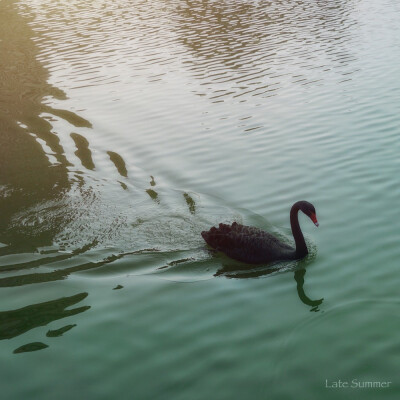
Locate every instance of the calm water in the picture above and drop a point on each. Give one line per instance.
(127, 128)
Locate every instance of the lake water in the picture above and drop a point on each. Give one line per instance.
(127, 128)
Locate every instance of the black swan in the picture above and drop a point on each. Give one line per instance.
(255, 246)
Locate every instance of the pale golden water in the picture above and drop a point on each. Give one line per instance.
(128, 127)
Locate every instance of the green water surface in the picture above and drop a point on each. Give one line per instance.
(127, 128)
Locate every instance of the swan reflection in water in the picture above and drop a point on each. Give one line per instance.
(235, 272)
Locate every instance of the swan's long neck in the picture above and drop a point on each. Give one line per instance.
(301, 247)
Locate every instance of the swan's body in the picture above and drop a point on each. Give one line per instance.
(255, 246)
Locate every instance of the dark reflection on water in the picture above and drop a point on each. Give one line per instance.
(33, 166)
(54, 215)
(63, 273)
(240, 272)
(61, 331)
(83, 152)
(299, 278)
(190, 202)
(52, 257)
(36, 176)
(26, 174)
(119, 163)
(35, 346)
(16, 322)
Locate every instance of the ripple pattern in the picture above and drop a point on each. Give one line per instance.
(128, 127)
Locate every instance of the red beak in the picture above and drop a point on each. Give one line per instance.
(314, 219)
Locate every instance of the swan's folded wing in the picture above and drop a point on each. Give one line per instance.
(244, 243)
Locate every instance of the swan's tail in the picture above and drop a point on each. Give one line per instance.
(217, 237)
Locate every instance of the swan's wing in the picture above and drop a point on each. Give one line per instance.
(245, 243)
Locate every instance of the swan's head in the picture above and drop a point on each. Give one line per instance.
(309, 210)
